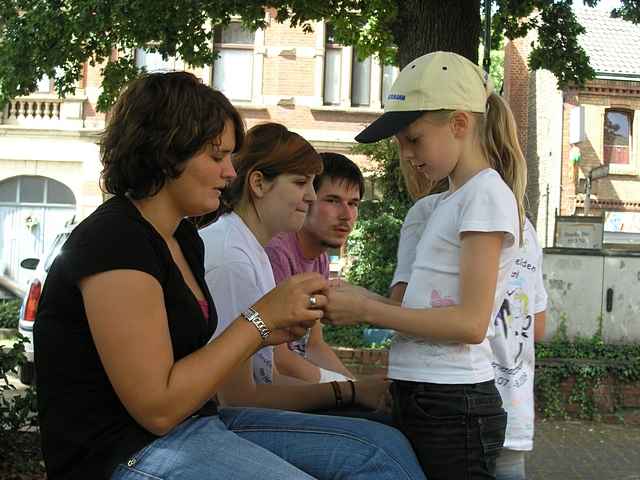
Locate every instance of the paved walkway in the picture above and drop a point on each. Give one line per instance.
(574, 450)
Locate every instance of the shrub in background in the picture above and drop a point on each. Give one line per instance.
(9, 311)
(19, 438)
(373, 244)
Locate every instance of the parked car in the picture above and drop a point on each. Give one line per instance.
(29, 306)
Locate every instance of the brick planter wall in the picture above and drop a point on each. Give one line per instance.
(614, 401)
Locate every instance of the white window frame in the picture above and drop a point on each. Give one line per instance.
(395, 72)
(632, 168)
(346, 101)
(45, 192)
(258, 50)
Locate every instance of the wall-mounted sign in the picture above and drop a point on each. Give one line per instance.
(579, 232)
(628, 222)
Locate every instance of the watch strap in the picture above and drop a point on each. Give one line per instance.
(254, 317)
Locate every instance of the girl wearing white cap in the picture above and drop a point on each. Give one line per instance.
(449, 124)
(519, 322)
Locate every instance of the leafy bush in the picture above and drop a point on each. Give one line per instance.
(9, 311)
(19, 439)
(345, 336)
(373, 244)
(16, 411)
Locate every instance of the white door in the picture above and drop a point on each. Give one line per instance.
(33, 210)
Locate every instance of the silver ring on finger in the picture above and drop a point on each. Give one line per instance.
(313, 301)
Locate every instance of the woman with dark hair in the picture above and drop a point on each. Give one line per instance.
(125, 372)
(270, 195)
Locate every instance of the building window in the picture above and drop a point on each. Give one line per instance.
(35, 190)
(233, 69)
(153, 61)
(332, 68)
(389, 75)
(46, 84)
(617, 136)
(361, 82)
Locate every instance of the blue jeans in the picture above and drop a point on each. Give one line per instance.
(271, 444)
(328, 447)
(510, 465)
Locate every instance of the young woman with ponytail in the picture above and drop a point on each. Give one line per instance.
(449, 124)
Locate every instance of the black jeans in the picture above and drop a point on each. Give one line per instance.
(457, 431)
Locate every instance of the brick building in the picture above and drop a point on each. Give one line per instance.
(49, 159)
(565, 134)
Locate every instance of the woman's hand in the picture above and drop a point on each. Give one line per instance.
(345, 305)
(293, 307)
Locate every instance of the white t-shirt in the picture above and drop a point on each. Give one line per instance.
(410, 234)
(238, 273)
(513, 344)
(483, 204)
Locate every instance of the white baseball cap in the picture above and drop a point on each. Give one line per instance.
(435, 81)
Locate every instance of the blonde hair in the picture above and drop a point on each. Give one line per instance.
(498, 135)
(501, 147)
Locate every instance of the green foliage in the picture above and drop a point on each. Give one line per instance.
(351, 336)
(496, 68)
(9, 311)
(374, 242)
(56, 38)
(344, 336)
(589, 361)
(16, 411)
(20, 449)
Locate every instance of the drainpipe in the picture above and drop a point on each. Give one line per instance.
(486, 59)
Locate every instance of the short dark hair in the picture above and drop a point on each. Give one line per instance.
(160, 121)
(339, 167)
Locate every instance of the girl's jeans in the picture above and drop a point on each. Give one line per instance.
(510, 465)
(457, 431)
(253, 443)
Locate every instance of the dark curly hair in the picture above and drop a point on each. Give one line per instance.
(159, 122)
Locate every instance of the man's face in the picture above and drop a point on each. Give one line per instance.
(333, 215)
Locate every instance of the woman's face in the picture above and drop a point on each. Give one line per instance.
(286, 201)
(198, 188)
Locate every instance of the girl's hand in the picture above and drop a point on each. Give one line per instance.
(293, 306)
(345, 306)
(343, 286)
(372, 393)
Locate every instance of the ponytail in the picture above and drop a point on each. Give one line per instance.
(502, 148)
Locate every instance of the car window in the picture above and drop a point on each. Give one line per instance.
(55, 249)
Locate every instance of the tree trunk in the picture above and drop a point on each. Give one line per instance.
(425, 26)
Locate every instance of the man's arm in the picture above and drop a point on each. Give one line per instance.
(293, 365)
(322, 354)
